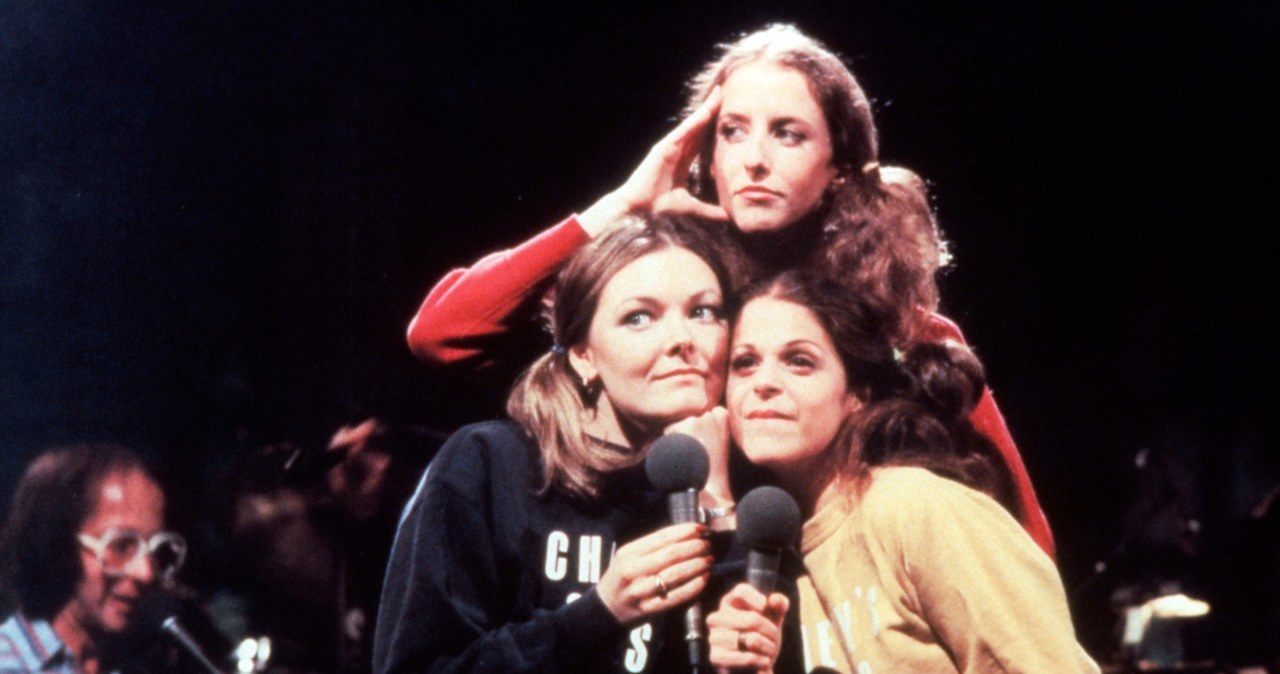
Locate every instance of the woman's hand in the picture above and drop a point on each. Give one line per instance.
(711, 428)
(658, 183)
(652, 574)
(746, 631)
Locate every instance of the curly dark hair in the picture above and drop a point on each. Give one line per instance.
(915, 405)
(39, 556)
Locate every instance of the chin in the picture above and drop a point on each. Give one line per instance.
(751, 223)
(773, 449)
(679, 409)
(116, 623)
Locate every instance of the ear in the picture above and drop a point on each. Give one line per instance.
(582, 360)
(852, 403)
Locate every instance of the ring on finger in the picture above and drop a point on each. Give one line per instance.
(742, 641)
(662, 587)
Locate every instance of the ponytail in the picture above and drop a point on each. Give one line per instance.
(551, 404)
(927, 424)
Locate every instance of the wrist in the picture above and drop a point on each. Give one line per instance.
(720, 517)
(606, 211)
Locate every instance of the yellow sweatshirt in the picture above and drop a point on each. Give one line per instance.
(920, 574)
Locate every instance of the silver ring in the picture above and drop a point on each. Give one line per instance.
(662, 587)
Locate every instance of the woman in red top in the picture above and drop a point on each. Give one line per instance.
(779, 141)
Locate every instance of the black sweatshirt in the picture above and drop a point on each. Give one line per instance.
(486, 575)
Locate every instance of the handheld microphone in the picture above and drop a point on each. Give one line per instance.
(768, 521)
(678, 466)
(158, 612)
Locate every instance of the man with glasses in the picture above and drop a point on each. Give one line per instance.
(82, 544)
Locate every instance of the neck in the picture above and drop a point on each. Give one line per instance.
(76, 638)
(810, 494)
(605, 423)
(778, 250)
(813, 484)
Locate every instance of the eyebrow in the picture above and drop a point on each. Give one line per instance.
(649, 299)
(789, 345)
(773, 121)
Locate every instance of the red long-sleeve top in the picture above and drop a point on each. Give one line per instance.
(470, 306)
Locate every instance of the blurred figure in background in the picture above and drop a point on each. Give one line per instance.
(83, 543)
(310, 532)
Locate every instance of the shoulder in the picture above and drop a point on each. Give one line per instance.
(488, 456)
(484, 442)
(908, 498)
(23, 647)
(10, 657)
(928, 517)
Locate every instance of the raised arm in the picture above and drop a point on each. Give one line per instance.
(468, 308)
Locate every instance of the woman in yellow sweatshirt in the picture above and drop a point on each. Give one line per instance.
(913, 558)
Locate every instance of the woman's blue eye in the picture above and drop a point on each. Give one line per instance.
(707, 312)
(637, 318)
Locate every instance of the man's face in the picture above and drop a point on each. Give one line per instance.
(105, 599)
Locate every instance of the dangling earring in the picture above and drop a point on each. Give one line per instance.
(591, 389)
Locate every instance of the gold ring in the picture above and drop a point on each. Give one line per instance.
(742, 641)
(662, 587)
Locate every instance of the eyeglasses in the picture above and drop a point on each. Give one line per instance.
(118, 549)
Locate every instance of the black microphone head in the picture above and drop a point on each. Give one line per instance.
(677, 462)
(768, 519)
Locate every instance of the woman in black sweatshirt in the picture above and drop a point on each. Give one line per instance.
(535, 544)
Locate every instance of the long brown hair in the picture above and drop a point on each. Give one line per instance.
(880, 236)
(549, 399)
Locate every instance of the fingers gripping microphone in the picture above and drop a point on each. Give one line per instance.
(768, 521)
(159, 612)
(678, 466)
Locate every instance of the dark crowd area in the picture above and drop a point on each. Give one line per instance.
(216, 220)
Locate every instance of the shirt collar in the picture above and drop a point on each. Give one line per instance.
(46, 645)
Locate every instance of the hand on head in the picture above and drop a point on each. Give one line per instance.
(657, 186)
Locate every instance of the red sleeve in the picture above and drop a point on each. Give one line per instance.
(987, 420)
(469, 305)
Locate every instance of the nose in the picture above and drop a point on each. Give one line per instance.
(756, 156)
(141, 569)
(764, 382)
(680, 338)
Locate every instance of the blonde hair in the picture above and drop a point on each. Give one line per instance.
(549, 399)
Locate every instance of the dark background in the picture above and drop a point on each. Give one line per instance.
(217, 218)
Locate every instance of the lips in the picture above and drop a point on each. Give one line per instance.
(124, 606)
(766, 414)
(758, 192)
(682, 372)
